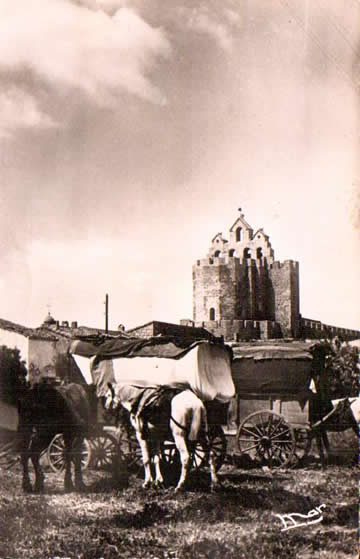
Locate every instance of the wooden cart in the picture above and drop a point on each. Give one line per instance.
(272, 408)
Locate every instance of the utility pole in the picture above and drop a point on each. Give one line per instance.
(106, 313)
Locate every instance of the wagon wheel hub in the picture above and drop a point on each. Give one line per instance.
(265, 442)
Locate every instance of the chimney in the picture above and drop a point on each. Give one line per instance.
(74, 324)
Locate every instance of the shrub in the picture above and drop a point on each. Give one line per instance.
(336, 369)
(12, 374)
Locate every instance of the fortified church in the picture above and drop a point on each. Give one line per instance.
(241, 292)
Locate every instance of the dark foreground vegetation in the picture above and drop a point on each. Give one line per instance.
(237, 522)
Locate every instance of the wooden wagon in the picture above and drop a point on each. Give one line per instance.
(273, 404)
(167, 362)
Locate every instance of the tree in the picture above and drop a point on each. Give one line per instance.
(12, 374)
(336, 368)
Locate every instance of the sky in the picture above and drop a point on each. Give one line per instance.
(132, 131)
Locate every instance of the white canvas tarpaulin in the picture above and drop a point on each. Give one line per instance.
(206, 369)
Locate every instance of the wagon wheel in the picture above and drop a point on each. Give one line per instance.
(169, 454)
(55, 453)
(199, 453)
(218, 444)
(104, 450)
(128, 446)
(267, 438)
(303, 441)
(217, 441)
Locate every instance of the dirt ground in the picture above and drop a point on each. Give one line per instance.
(238, 521)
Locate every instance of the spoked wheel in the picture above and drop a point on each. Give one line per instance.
(128, 446)
(199, 453)
(104, 450)
(267, 438)
(55, 454)
(169, 454)
(218, 445)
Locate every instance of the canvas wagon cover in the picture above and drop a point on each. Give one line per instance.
(204, 367)
(272, 368)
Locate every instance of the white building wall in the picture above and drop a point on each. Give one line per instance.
(8, 416)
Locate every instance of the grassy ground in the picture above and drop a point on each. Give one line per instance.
(239, 521)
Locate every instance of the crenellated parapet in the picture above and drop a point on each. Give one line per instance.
(314, 329)
(290, 264)
(242, 330)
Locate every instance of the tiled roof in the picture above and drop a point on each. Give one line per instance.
(53, 333)
(17, 328)
(74, 332)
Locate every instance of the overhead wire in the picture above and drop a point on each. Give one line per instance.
(314, 38)
(332, 19)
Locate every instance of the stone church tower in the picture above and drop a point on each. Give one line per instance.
(240, 291)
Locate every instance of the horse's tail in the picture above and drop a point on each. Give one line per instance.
(198, 421)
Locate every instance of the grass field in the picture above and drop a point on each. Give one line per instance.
(239, 521)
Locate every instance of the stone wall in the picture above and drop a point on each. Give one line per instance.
(284, 279)
(185, 330)
(236, 289)
(314, 329)
(242, 330)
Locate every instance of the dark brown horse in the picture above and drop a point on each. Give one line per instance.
(45, 411)
(332, 416)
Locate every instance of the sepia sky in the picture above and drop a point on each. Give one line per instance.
(132, 131)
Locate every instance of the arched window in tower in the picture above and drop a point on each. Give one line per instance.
(238, 234)
(247, 253)
(217, 253)
(259, 253)
(231, 252)
(212, 314)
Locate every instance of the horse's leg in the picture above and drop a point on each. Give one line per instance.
(326, 443)
(35, 450)
(25, 455)
(159, 480)
(145, 453)
(76, 453)
(322, 443)
(215, 483)
(68, 441)
(184, 457)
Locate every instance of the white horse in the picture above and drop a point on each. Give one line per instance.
(187, 421)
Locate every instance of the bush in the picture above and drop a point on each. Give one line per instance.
(12, 374)
(336, 368)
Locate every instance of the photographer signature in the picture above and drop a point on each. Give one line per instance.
(295, 519)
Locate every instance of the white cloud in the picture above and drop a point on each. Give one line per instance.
(203, 22)
(18, 109)
(70, 46)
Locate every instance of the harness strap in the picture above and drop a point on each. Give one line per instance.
(178, 424)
